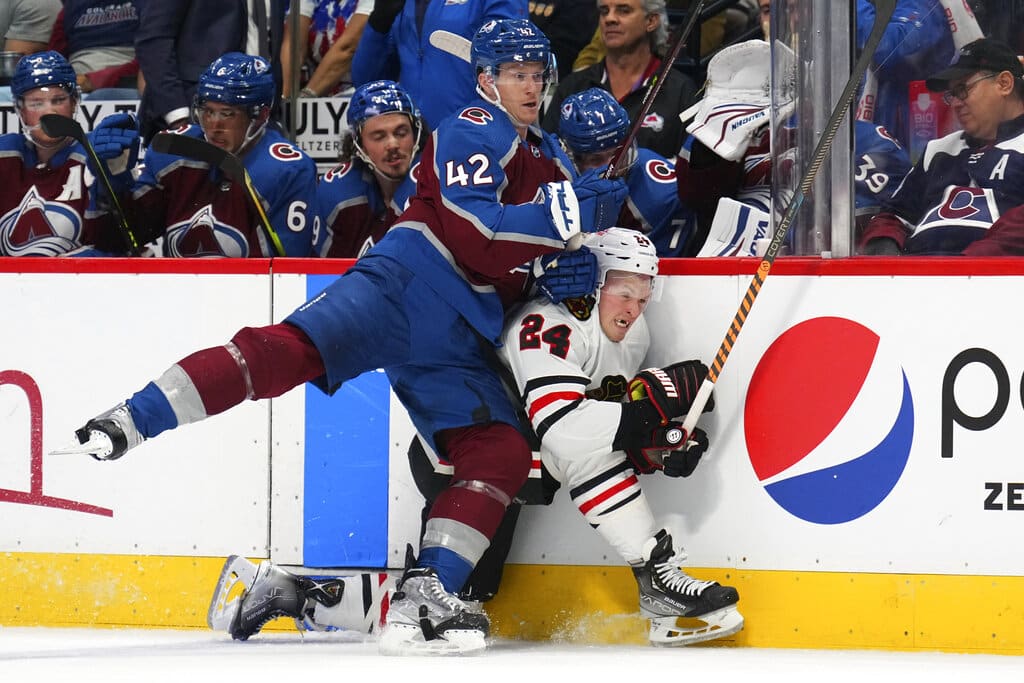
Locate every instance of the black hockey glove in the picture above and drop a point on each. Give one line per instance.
(671, 389)
(682, 463)
(664, 451)
(383, 14)
(566, 274)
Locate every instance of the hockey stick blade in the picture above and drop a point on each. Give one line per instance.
(453, 44)
(883, 12)
(217, 157)
(57, 126)
(237, 571)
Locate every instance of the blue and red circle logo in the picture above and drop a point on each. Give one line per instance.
(829, 420)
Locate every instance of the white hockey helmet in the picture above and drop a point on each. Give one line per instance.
(624, 250)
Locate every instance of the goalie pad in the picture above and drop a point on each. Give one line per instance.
(738, 229)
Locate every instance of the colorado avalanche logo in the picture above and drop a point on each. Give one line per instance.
(661, 171)
(476, 115)
(203, 235)
(282, 151)
(38, 227)
(338, 171)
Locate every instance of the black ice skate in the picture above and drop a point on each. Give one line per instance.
(426, 619)
(271, 593)
(107, 436)
(683, 610)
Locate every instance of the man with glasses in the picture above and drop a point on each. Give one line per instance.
(197, 210)
(964, 195)
(44, 199)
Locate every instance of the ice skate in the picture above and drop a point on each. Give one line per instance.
(683, 610)
(269, 592)
(107, 436)
(424, 619)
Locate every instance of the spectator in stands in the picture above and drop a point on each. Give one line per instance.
(396, 46)
(98, 38)
(197, 210)
(178, 39)
(635, 32)
(965, 194)
(329, 31)
(44, 200)
(25, 25)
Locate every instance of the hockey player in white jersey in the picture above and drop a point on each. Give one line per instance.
(572, 363)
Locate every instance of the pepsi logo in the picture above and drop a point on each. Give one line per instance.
(829, 420)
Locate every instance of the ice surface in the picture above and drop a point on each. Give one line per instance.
(55, 654)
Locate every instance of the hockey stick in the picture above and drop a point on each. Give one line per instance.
(883, 11)
(57, 126)
(453, 44)
(655, 87)
(229, 165)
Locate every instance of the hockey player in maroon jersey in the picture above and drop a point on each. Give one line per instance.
(197, 210)
(44, 200)
(362, 197)
(427, 303)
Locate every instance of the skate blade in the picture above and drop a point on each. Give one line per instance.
(98, 447)
(680, 631)
(236, 577)
(407, 640)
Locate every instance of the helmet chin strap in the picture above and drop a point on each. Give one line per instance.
(496, 100)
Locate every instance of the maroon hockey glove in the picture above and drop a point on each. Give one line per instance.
(672, 389)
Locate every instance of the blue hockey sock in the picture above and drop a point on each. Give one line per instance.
(151, 411)
(452, 569)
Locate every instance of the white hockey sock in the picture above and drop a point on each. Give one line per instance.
(362, 606)
(627, 528)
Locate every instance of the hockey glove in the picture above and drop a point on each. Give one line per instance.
(116, 142)
(566, 274)
(682, 463)
(665, 451)
(588, 204)
(671, 390)
(383, 14)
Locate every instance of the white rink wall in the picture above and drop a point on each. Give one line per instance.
(827, 438)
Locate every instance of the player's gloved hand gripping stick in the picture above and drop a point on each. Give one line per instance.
(57, 126)
(883, 12)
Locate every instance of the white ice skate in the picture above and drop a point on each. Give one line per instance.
(683, 610)
(424, 619)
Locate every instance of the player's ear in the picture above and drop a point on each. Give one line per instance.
(485, 79)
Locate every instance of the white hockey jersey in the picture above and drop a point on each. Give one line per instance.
(571, 375)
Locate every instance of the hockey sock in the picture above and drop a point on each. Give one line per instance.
(615, 505)
(151, 411)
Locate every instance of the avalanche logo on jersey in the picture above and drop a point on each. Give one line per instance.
(962, 207)
(476, 116)
(38, 227)
(661, 171)
(829, 420)
(203, 235)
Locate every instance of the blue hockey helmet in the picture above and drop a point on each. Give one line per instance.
(42, 69)
(592, 121)
(501, 41)
(238, 79)
(380, 97)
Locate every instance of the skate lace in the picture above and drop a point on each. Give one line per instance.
(435, 591)
(674, 578)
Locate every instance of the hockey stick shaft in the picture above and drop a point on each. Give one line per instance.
(57, 126)
(228, 163)
(655, 87)
(883, 11)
